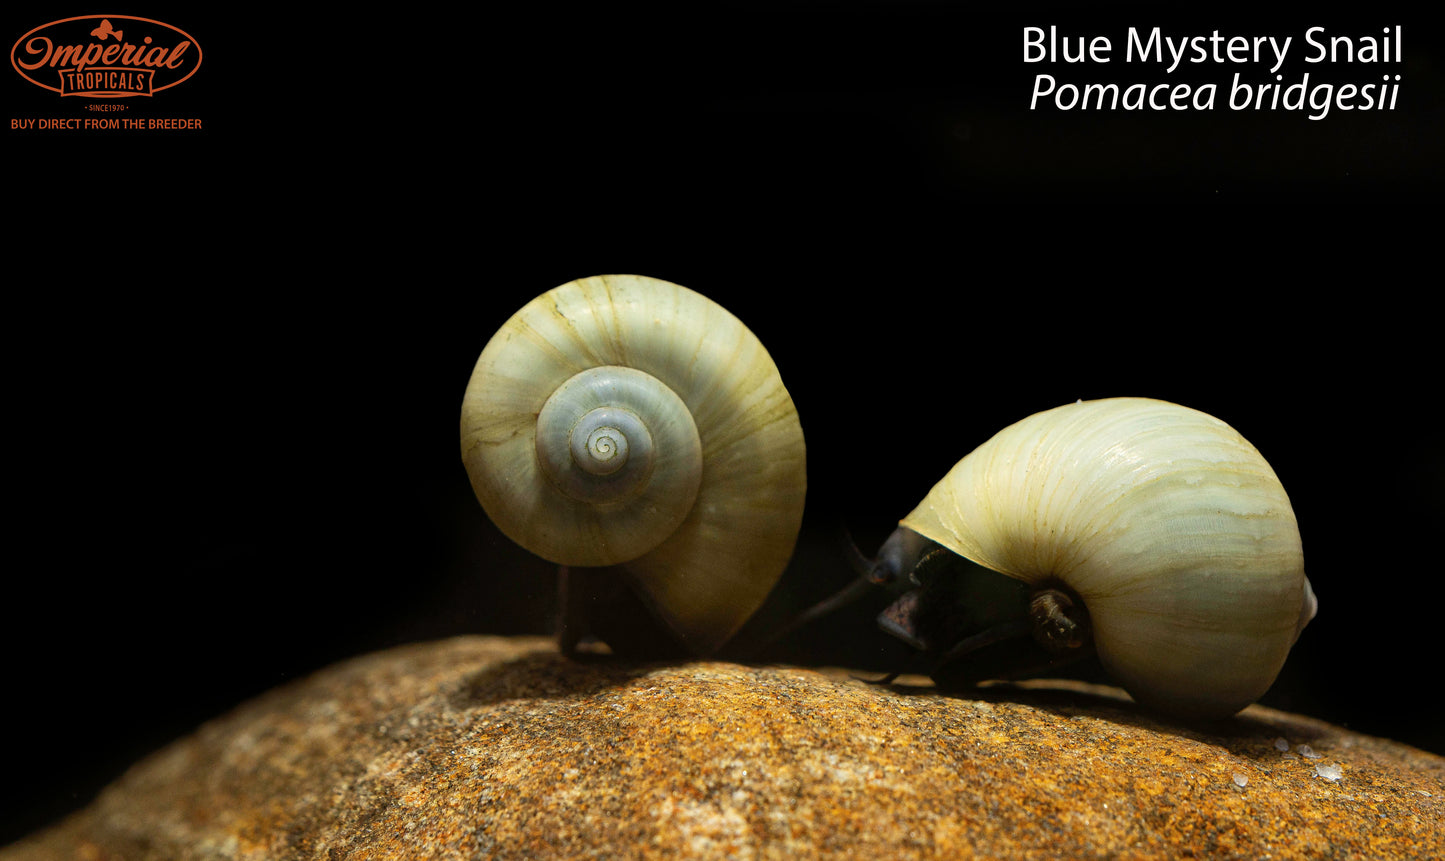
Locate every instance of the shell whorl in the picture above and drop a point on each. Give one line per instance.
(628, 420)
(1171, 527)
(623, 449)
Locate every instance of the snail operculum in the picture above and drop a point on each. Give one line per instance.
(970, 623)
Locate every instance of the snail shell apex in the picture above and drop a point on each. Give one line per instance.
(1171, 527)
(706, 506)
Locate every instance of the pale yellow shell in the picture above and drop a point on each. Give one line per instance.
(1169, 525)
(709, 524)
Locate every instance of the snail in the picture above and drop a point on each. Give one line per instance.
(1146, 532)
(628, 421)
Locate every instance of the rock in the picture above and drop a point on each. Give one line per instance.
(486, 747)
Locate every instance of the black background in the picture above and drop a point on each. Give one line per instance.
(236, 357)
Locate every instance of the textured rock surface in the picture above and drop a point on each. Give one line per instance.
(494, 748)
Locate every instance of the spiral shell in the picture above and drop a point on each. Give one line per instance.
(628, 420)
(1169, 525)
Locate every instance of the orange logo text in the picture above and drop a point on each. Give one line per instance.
(93, 56)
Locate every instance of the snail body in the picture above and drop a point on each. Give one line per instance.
(625, 420)
(1171, 529)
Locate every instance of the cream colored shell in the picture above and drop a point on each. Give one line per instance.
(1169, 525)
(705, 532)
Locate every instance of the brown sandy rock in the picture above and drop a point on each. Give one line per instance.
(485, 747)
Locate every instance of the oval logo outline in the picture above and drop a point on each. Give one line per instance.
(14, 51)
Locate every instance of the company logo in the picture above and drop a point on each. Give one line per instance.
(106, 56)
